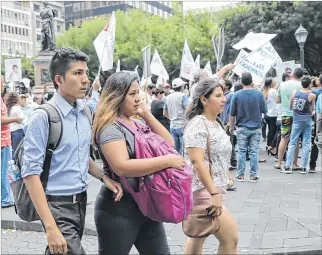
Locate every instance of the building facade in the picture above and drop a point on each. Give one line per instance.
(76, 12)
(21, 26)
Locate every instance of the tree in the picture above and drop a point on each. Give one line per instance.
(281, 18)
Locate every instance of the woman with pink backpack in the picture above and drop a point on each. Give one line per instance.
(135, 219)
(208, 149)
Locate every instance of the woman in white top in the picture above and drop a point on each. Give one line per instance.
(204, 125)
(270, 94)
(14, 110)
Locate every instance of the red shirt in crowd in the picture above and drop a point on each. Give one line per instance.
(5, 130)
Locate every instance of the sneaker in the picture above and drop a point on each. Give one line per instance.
(232, 168)
(312, 171)
(286, 170)
(239, 178)
(302, 171)
(254, 179)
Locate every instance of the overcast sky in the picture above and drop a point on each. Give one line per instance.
(204, 4)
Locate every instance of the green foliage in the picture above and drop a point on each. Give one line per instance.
(281, 18)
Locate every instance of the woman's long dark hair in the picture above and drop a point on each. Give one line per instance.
(204, 88)
(13, 99)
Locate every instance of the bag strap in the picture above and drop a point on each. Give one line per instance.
(54, 138)
(88, 113)
(132, 129)
(208, 148)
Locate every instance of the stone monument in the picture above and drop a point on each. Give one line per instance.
(48, 44)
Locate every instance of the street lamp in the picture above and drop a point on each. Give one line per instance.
(301, 35)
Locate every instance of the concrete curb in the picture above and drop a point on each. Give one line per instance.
(35, 226)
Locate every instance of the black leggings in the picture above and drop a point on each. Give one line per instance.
(120, 225)
(271, 122)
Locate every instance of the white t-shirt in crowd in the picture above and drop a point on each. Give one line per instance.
(271, 103)
(16, 111)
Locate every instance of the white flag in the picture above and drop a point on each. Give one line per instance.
(104, 44)
(253, 41)
(197, 62)
(118, 66)
(146, 52)
(208, 68)
(157, 67)
(187, 63)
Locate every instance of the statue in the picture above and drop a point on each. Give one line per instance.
(47, 29)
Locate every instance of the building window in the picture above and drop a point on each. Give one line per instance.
(20, 33)
(16, 30)
(23, 32)
(36, 7)
(38, 38)
(27, 32)
(5, 28)
(76, 7)
(58, 29)
(38, 23)
(56, 13)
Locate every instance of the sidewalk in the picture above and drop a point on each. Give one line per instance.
(281, 213)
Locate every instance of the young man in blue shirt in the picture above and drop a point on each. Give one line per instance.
(246, 109)
(62, 206)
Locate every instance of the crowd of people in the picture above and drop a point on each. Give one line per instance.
(213, 124)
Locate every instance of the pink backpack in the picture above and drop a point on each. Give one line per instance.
(164, 196)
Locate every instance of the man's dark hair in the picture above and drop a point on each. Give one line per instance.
(61, 61)
(228, 84)
(14, 66)
(306, 81)
(285, 76)
(298, 73)
(151, 86)
(246, 79)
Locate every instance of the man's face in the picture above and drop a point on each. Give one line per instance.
(38, 99)
(15, 69)
(3, 84)
(23, 102)
(75, 83)
(166, 88)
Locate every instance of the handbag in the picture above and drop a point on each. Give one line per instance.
(199, 224)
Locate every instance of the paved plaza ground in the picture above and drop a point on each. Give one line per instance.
(281, 213)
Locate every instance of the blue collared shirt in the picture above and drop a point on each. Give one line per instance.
(318, 108)
(68, 173)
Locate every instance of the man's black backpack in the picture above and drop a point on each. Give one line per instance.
(23, 203)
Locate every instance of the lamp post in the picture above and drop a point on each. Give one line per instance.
(301, 35)
(10, 52)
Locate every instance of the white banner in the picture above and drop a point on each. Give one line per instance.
(12, 69)
(104, 44)
(157, 67)
(208, 68)
(253, 41)
(187, 63)
(257, 62)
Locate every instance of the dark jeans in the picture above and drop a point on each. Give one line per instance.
(314, 149)
(177, 135)
(16, 137)
(70, 219)
(264, 127)
(271, 122)
(120, 225)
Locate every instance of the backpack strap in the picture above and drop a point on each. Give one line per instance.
(54, 138)
(88, 113)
